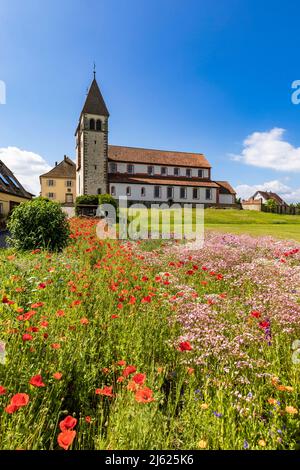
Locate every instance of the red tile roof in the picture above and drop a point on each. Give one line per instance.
(118, 153)
(226, 186)
(160, 181)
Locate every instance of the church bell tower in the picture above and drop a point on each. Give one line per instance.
(92, 144)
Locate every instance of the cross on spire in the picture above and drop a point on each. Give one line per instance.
(94, 71)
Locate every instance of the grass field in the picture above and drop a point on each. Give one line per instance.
(237, 222)
(253, 223)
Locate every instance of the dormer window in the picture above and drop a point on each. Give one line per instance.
(200, 173)
(163, 171)
(176, 171)
(188, 172)
(130, 169)
(92, 124)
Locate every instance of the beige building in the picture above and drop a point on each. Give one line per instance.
(59, 184)
(12, 192)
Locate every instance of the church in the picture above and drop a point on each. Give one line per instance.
(143, 175)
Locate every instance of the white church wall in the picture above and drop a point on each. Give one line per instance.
(120, 190)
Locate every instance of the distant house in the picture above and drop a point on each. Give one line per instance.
(59, 184)
(256, 202)
(12, 193)
(267, 195)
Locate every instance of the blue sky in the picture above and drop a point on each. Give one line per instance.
(196, 76)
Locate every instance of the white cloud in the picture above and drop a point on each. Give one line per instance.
(287, 193)
(27, 166)
(269, 150)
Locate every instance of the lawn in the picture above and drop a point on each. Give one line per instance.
(230, 221)
(146, 345)
(253, 223)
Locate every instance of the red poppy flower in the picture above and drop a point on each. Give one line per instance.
(2, 390)
(114, 316)
(121, 363)
(105, 391)
(139, 379)
(144, 395)
(27, 337)
(129, 370)
(37, 381)
(57, 375)
(185, 346)
(10, 409)
(264, 324)
(68, 423)
(84, 321)
(146, 299)
(88, 419)
(60, 313)
(55, 346)
(42, 285)
(20, 399)
(255, 314)
(65, 439)
(37, 305)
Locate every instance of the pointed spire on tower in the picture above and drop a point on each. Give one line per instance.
(94, 103)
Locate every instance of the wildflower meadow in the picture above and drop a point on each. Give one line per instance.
(113, 344)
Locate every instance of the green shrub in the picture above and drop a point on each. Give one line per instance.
(87, 199)
(107, 199)
(39, 223)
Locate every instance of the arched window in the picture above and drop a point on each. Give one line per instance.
(99, 191)
(98, 125)
(128, 191)
(113, 190)
(92, 124)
